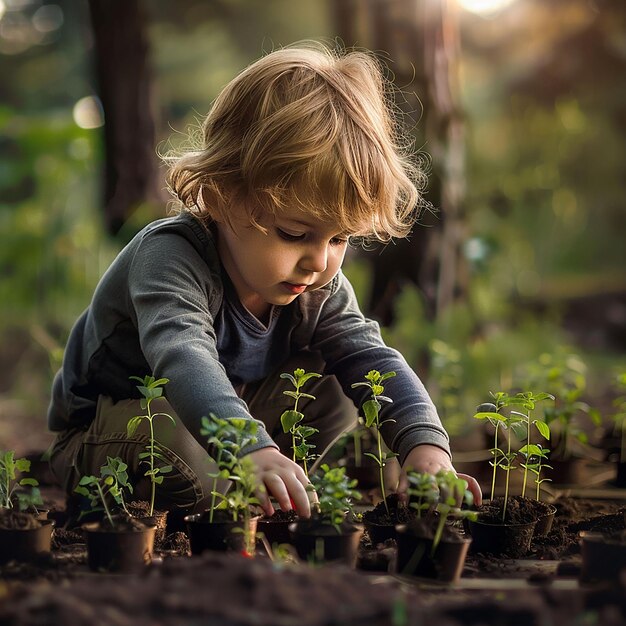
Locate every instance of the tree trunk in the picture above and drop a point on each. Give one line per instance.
(421, 42)
(122, 69)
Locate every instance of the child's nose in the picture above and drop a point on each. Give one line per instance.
(315, 259)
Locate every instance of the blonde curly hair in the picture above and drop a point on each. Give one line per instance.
(310, 128)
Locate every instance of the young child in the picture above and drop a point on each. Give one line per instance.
(300, 154)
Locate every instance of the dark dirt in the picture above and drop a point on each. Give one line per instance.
(233, 591)
(120, 523)
(10, 519)
(574, 515)
(392, 514)
(518, 511)
(281, 516)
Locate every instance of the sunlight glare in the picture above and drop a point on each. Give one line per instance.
(485, 7)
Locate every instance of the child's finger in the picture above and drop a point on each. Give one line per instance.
(299, 496)
(474, 488)
(276, 487)
(264, 501)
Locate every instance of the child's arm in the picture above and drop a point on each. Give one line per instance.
(283, 479)
(430, 459)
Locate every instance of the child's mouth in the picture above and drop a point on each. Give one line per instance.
(293, 288)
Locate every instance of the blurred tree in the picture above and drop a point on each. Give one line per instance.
(124, 78)
(420, 43)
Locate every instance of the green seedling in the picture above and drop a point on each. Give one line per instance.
(503, 460)
(422, 491)
(151, 389)
(371, 410)
(517, 422)
(10, 468)
(528, 401)
(441, 495)
(226, 438)
(536, 457)
(453, 493)
(335, 492)
(111, 483)
(491, 412)
(564, 376)
(291, 420)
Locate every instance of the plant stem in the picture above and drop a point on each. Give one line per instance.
(495, 463)
(439, 531)
(213, 491)
(508, 475)
(527, 454)
(8, 504)
(104, 503)
(152, 476)
(293, 431)
(381, 467)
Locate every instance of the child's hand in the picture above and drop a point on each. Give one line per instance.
(284, 480)
(429, 459)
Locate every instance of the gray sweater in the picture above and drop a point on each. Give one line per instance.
(165, 306)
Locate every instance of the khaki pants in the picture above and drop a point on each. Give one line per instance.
(79, 452)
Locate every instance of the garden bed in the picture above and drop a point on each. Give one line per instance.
(229, 589)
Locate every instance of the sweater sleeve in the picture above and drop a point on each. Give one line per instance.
(352, 346)
(169, 287)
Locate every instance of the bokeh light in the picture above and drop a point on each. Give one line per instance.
(485, 7)
(88, 112)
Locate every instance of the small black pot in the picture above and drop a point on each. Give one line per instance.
(18, 544)
(544, 523)
(321, 543)
(220, 535)
(275, 532)
(414, 556)
(159, 521)
(604, 557)
(379, 533)
(512, 540)
(118, 550)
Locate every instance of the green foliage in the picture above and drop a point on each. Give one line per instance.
(513, 422)
(564, 375)
(110, 485)
(444, 494)
(226, 438)
(422, 491)
(536, 456)
(474, 344)
(10, 469)
(528, 400)
(291, 420)
(335, 492)
(151, 389)
(371, 411)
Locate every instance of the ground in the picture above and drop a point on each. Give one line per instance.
(231, 590)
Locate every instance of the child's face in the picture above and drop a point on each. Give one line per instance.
(299, 253)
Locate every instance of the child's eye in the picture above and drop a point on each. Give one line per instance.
(338, 241)
(288, 236)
